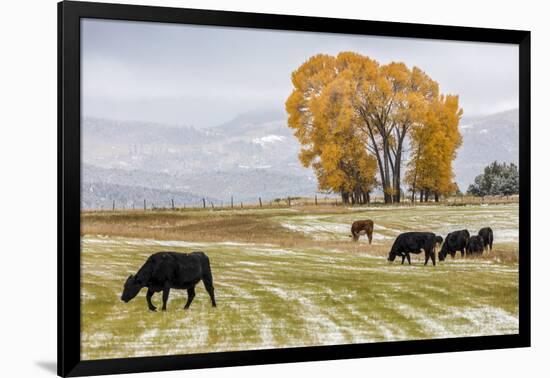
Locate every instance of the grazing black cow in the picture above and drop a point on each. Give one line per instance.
(170, 270)
(455, 241)
(414, 242)
(475, 245)
(486, 234)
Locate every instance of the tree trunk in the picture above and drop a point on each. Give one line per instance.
(358, 196)
(388, 190)
(397, 178)
(436, 196)
(345, 198)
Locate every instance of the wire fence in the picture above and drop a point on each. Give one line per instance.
(171, 204)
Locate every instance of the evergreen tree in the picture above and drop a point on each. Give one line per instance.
(496, 179)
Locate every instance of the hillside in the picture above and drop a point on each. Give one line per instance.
(252, 155)
(486, 139)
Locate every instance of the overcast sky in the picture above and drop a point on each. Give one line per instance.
(204, 76)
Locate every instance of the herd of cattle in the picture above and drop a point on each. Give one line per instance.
(172, 270)
(416, 242)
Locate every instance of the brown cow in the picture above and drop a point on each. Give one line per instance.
(362, 227)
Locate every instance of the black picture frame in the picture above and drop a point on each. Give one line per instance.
(69, 15)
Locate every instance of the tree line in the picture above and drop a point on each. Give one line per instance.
(353, 118)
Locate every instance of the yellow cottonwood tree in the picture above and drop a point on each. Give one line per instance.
(352, 114)
(330, 143)
(434, 144)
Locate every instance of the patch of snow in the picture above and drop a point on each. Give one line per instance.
(268, 140)
(506, 235)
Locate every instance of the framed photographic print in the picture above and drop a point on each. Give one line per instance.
(239, 188)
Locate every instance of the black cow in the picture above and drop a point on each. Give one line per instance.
(486, 234)
(475, 245)
(170, 270)
(455, 241)
(414, 242)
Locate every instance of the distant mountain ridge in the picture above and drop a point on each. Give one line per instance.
(484, 140)
(248, 157)
(253, 155)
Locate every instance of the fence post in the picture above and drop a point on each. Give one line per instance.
(260, 199)
(204, 203)
(288, 201)
(316, 200)
(144, 204)
(212, 203)
(231, 201)
(241, 205)
(113, 205)
(172, 204)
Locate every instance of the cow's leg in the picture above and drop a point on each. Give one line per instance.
(148, 297)
(432, 255)
(427, 257)
(370, 237)
(165, 294)
(462, 252)
(190, 296)
(209, 286)
(402, 259)
(408, 258)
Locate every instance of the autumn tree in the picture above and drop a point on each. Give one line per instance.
(378, 105)
(329, 134)
(434, 143)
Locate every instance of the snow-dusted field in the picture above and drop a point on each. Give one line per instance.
(320, 289)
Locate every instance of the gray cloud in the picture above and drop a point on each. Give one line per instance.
(203, 76)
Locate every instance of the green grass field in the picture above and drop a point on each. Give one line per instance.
(292, 277)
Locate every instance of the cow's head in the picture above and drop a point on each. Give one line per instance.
(132, 286)
(391, 256)
(443, 252)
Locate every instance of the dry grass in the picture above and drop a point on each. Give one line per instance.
(254, 225)
(208, 226)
